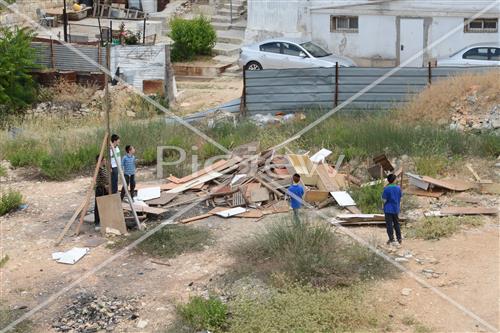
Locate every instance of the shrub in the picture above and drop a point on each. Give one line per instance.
(170, 241)
(303, 309)
(369, 198)
(23, 152)
(430, 165)
(191, 38)
(309, 252)
(9, 200)
(439, 227)
(17, 88)
(204, 314)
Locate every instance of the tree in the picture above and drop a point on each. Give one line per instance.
(17, 59)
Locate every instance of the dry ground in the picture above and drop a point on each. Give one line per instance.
(468, 263)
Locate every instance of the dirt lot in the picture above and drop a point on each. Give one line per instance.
(467, 264)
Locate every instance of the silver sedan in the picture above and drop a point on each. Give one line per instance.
(288, 53)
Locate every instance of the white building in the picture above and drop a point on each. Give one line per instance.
(378, 32)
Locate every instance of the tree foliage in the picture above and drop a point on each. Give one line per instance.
(17, 59)
(191, 38)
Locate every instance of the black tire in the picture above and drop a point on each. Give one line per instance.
(253, 66)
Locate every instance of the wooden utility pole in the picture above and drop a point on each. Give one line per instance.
(65, 22)
(169, 77)
(107, 106)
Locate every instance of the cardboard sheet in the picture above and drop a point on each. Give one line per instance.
(111, 213)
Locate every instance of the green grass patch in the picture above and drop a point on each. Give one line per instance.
(4, 260)
(309, 252)
(440, 227)
(9, 200)
(201, 314)
(61, 150)
(304, 309)
(170, 241)
(3, 171)
(369, 198)
(7, 316)
(431, 165)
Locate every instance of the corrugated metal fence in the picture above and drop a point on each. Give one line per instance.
(60, 57)
(276, 90)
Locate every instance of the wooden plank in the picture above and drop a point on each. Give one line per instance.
(301, 164)
(251, 213)
(214, 167)
(384, 162)
(353, 209)
(422, 193)
(315, 196)
(469, 211)
(325, 183)
(418, 181)
(361, 217)
(490, 188)
(111, 213)
(259, 195)
(145, 209)
(164, 199)
(449, 184)
(251, 187)
(201, 180)
(469, 167)
(196, 218)
(167, 186)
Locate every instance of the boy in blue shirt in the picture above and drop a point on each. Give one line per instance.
(392, 201)
(296, 192)
(128, 165)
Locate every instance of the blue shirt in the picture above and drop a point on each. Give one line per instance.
(392, 195)
(128, 164)
(295, 192)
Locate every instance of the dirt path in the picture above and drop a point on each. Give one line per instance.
(468, 264)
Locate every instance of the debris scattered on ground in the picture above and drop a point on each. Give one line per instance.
(90, 313)
(72, 256)
(406, 291)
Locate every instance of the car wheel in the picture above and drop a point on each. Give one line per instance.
(253, 66)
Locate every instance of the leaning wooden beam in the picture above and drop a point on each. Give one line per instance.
(85, 204)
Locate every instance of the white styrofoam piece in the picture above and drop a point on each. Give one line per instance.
(231, 212)
(238, 177)
(343, 198)
(149, 193)
(320, 155)
(71, 256)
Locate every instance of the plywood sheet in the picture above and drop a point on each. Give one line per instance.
(417, 181)
(196, 218)
(301, 163)
(251, 213)
(149, 193)
(469, 211)
(450, 184)
(167, 186)
(325, 183)
(145, 209)
(195, 182)
(164, 199)
(315, 196)
(422, 193)
(343, 198)
(259, 195)
(111, 213)
(493, 188)
(231, 212)
(214, 167)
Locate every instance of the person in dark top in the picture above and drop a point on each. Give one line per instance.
(392, 201)
(101, 188)
(295, 192)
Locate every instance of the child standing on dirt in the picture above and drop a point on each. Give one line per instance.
(392, 202)
(101, 188)
(296, 192)
(128, 164)
(115, 142)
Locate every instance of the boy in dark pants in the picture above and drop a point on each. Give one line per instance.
(128, 164)
(115, 141)
(295, 192)
(101, 188)
(392, 201)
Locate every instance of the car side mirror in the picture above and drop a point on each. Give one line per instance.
(302, 55)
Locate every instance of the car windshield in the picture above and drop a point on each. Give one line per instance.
(315, 50)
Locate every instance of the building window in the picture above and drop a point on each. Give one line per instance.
(481, 25)
(343, 23)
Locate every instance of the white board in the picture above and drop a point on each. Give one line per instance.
(72, 256)
(417, 181)
(231, 212)
(343, 198)
(149, 193)
(320, 155)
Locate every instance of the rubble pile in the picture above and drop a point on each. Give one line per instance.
(474, 112)
(60, 109)
(90, 313)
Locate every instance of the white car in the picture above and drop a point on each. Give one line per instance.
(474, 55)
(288, 53)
